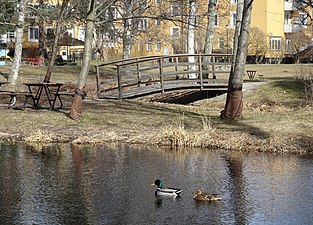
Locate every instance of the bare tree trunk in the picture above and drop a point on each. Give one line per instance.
(56, 40)
(208, 45)
(191, 37)
(128, 27)
(77, 104)
(19, 30)
(234, 104)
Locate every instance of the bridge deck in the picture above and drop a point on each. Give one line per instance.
(156, 88)
(156, 74)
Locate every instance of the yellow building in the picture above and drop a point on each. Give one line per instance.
(274, 25)
(162, 30)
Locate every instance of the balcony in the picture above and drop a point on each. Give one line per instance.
(292, 28)
(290, 5)
(287, 28)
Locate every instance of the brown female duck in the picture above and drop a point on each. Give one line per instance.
(198, 195)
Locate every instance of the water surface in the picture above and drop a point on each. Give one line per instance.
(111, 185)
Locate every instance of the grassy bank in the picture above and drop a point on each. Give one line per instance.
(277, 117)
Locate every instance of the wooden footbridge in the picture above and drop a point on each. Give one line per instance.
(135, 77)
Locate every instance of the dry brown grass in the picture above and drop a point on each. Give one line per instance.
(277, 118)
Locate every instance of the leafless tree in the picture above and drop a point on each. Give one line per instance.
(19, 30)
(257, 46)
(234, 104)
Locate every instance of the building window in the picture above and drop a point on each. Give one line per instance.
(158, 2)
(11, 35)
(233, 18)
(221, 43)
(288, 45)
(149, 46)
(275, 43)
(175, 32)
(175, 9)
(158, 45)
(81, 34)
(143, 24)
(33, 33)
(233, 1)
(140, 46)
(50, 33)
(157, 22)
(303, 19)
(143, 4)
(112, 13)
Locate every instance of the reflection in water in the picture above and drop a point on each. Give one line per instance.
(234, 163)
(71, 184)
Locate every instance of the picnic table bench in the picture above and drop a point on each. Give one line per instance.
(42, 95)
(251, 75)
(13, 96)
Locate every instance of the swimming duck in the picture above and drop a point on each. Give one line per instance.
(160, 191)
(198, 195)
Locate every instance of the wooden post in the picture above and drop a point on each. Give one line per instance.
(213, 66)
(98, 81)
(138, 72)
(119, 82)
(200, 71)
(161, 73)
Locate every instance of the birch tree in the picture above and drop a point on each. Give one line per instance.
(208, 45)
(191, 37)
(19, 30)
(128, 8)
(234, 104)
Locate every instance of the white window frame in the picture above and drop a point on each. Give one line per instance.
(233, 18)
(158, 22)
(158, 45)
(81, 33)
(143, 24)
(275, 43)
(175, 35)
(11, 35)
(32, 35)
(149, 46)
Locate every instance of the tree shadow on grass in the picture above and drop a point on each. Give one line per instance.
(240, 126)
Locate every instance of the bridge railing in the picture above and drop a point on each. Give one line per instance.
(137, 76)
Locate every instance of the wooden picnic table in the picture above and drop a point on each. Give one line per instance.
(251, 74)
(40, 90)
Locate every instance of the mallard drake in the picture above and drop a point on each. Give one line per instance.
(198, 195)
(160, 191)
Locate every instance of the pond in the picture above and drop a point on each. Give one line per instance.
(68, 184)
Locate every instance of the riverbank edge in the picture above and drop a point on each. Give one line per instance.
(210, 140)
